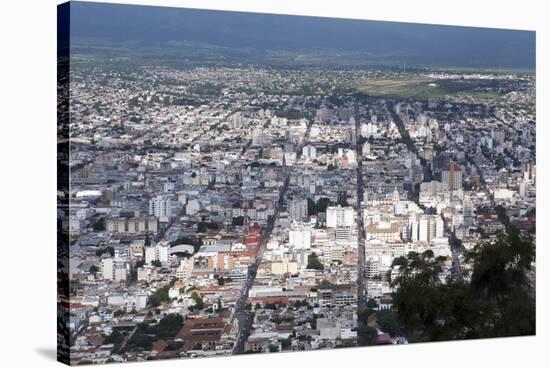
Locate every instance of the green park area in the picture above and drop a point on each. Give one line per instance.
(424, 88)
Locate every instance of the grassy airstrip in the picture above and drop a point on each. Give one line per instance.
(424, 88)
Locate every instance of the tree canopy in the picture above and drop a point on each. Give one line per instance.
(313, 262)
(498, 301)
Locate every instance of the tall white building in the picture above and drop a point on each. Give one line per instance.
(429, 227)
(236, 121)
(338, 216)
(185, 269)
(413, 223)
(452, 176)
(366, 149)
(162, 207)
(523, 187)
(433, 187)
(258, 137)
(310, 152)
(159, 252)
(424, 229)
(368, 130)
(297, 208)
(114, 269)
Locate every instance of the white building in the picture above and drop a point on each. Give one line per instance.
(429, 228)
(338, 216)
(310, 152)
(368, 130)
(299, 237)
(284, 266)
(159, 252)
(452, 176)
(184, 270)
(162, 207)
(297, 209)
(258, 137)
(114, 269)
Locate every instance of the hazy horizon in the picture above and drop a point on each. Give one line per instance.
(257, 36)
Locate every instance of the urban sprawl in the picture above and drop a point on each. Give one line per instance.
(226, 210)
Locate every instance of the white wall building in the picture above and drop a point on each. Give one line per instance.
(159, 252)
(338, 216)
(310, 152)
(299, 237)
(114, 269)
(297, 209)
(162, 207)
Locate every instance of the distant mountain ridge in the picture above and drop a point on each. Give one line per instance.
(417, 44)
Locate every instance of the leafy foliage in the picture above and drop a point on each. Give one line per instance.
(499, 300)
(146, 334)
(116, 337)
(168, 327)
(161, 295)
(366, 335)
(199, 302)
(313, 262)
(388, 320)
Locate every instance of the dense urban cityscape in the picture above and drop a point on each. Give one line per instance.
(229, 209)
(216, 211)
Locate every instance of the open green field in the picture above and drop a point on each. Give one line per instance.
(423, 88)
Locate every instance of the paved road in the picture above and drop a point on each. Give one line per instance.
(244, 317)
(361, 281)
(455, 250)
(240, 312)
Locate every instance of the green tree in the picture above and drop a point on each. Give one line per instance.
(156, 263)
(366, 335)
(286, 343)
(371, 303)
(199, 302)
(115, 338)
(313, 262)
(388, 320)
(499, 300)
(342, 199)
(322, 205)
(161, 295)
(168, 326)
(311, 207)
(140, 341)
